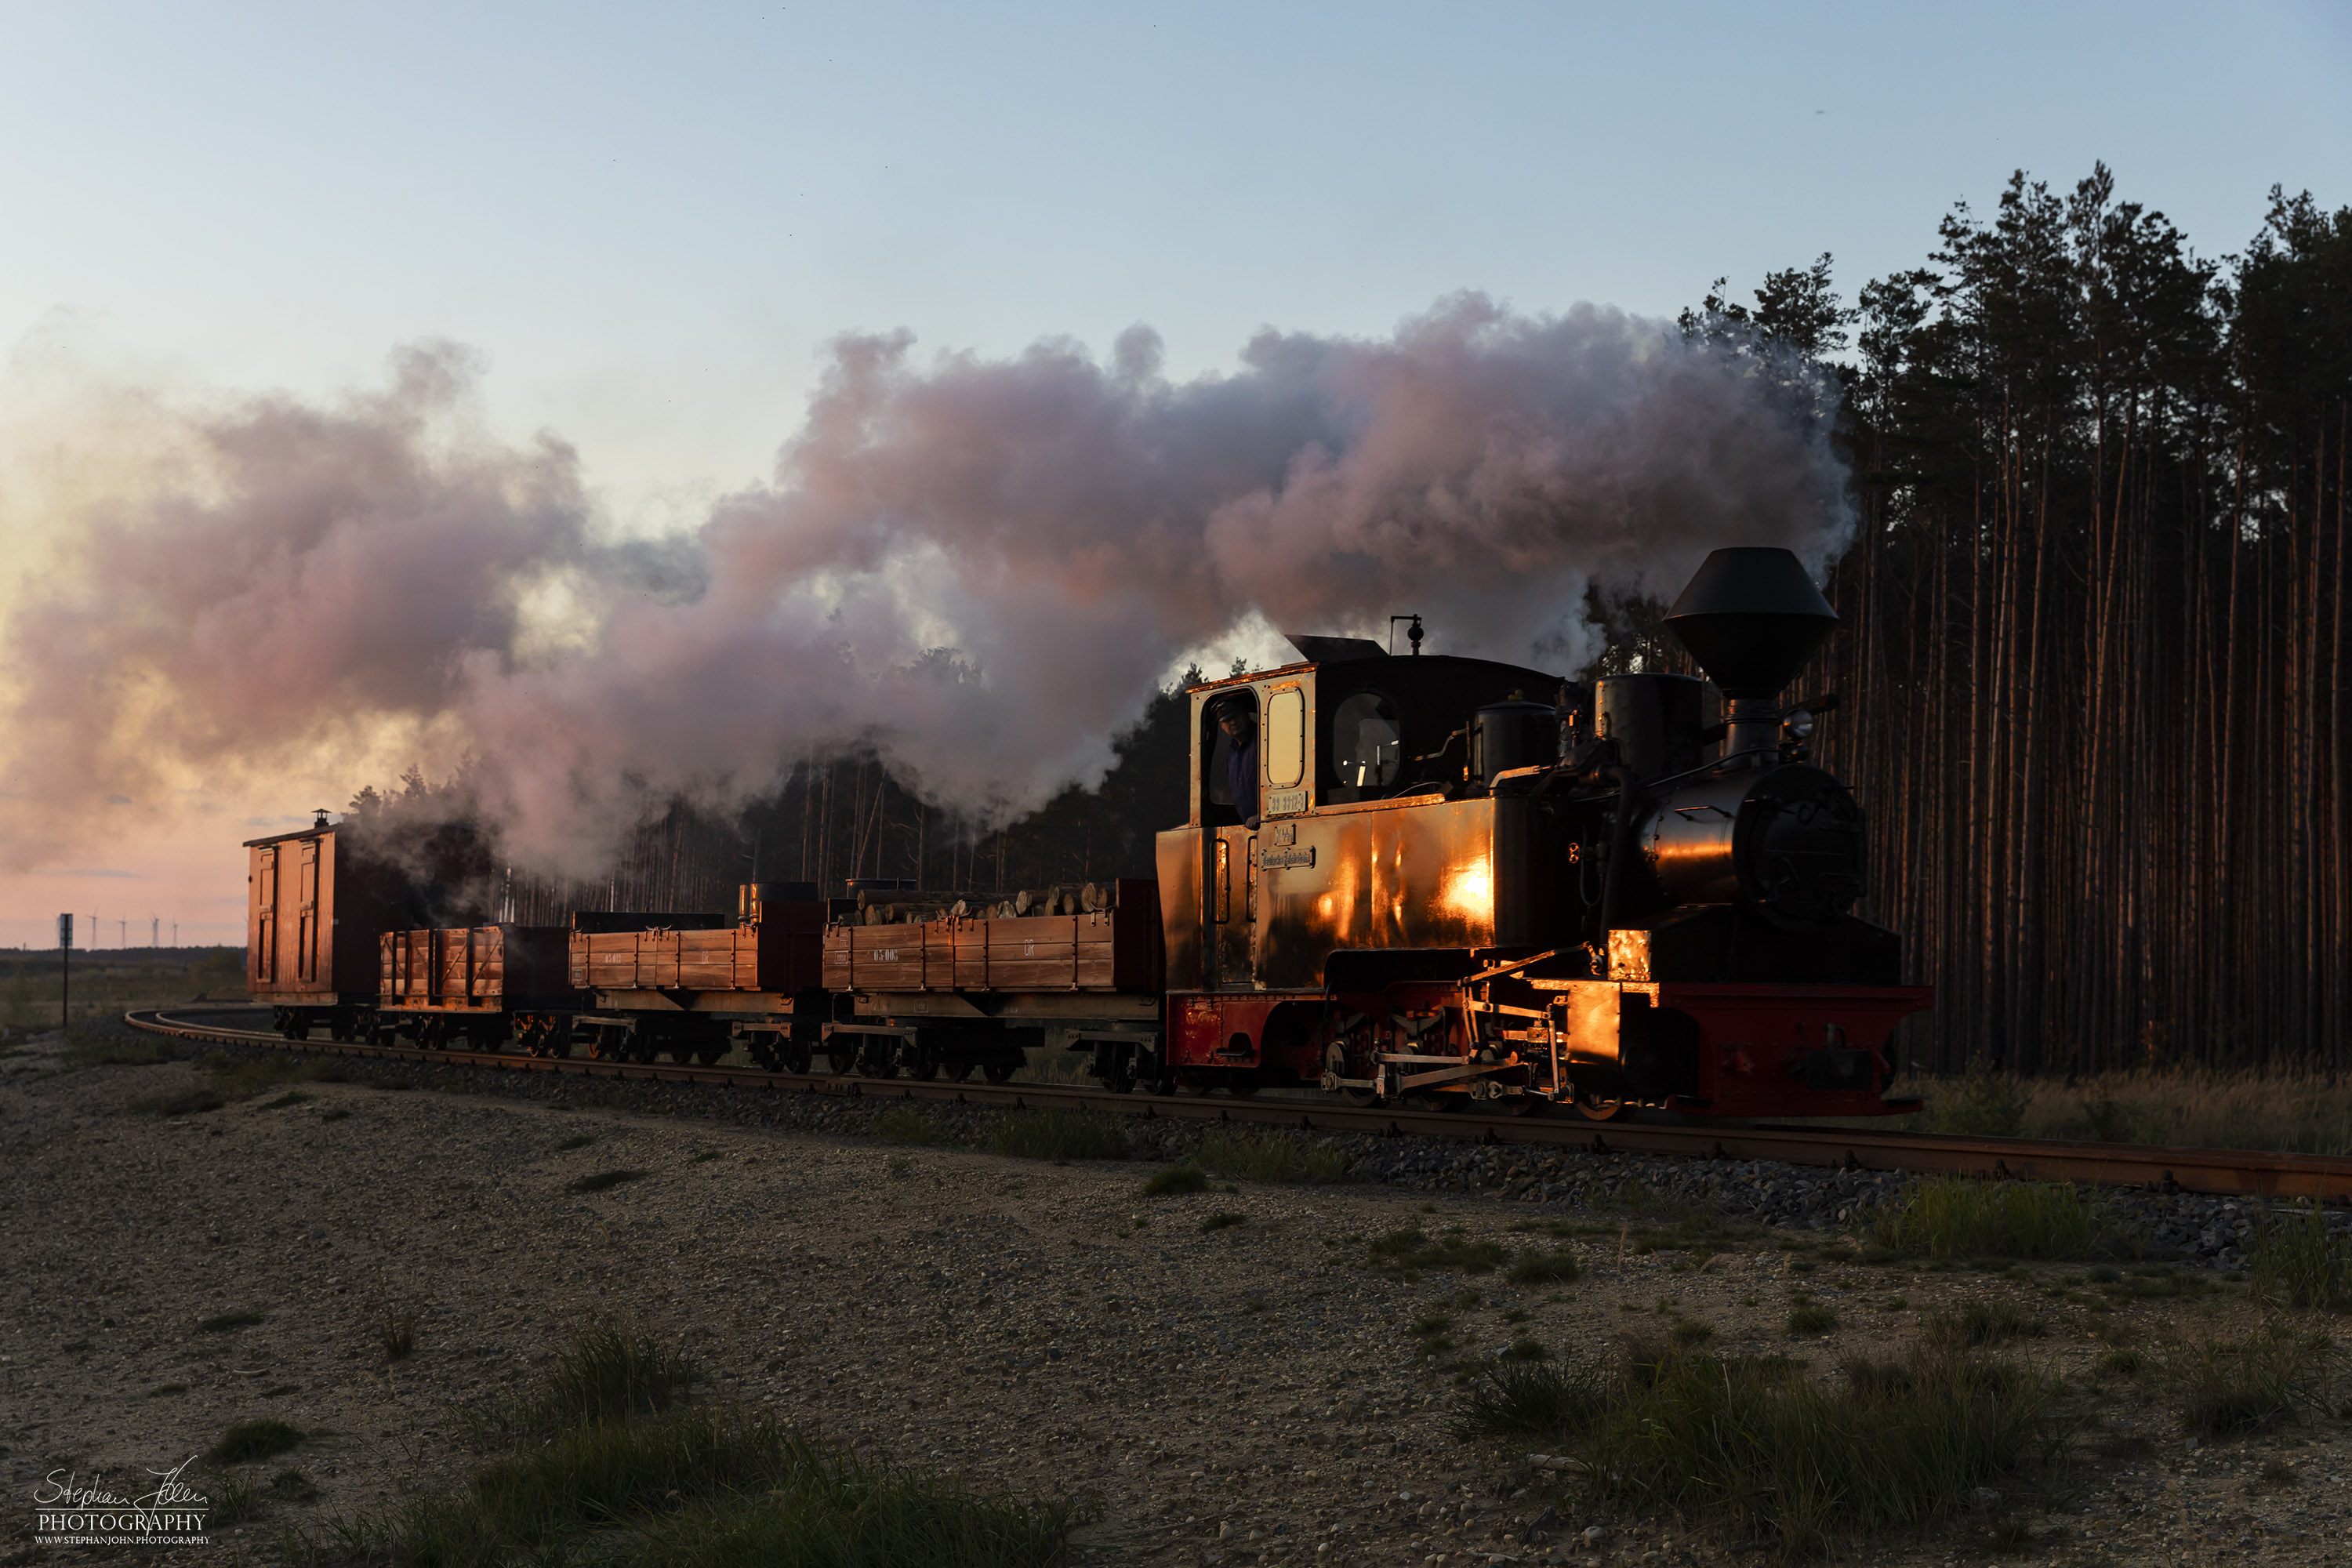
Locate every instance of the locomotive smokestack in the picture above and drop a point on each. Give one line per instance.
(1751, 616)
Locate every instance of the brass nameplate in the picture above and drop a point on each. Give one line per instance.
(1297, 857)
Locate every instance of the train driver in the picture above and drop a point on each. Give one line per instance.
(1239, 721)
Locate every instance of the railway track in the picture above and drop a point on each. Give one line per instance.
(2229, 1172)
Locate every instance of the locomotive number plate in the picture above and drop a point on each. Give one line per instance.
(1281, 802)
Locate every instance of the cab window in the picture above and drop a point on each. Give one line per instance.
(1286, 737)
(1367, 744)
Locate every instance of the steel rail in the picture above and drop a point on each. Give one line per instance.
(2256, 1173)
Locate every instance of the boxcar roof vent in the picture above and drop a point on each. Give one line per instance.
(322, 817)
(1751, 617)
(1335, 650)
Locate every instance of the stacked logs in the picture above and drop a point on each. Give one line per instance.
(913, 909)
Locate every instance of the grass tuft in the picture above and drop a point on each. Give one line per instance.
(606, 1371)
(1060, 1136)
(1186, 1177)
(1689, 1334)
(1548, 1267)
(1953, 1216)
(1533, 1399)
(716, 1488)
(1773, 1455)
(1223, 1219)
(612, 1372)
(2267, 1379)
(1811, 1317)
(2300, 1262)
(2125, 1361)
(577, 1140)
(904, 1125)
(250, 1440)
(1979, 1323)
(604, 1179)
(229, 1499)
(602, 1465)
(1271, 1156)
(1410, 1252)
(396, 1332)
(222, 1322)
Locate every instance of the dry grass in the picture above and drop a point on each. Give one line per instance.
(2297, 1110)
(1958, 1217)
(2304, 1111)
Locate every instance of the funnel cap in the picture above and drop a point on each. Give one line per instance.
(1751, 616)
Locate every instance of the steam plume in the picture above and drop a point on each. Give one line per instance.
(979, 566)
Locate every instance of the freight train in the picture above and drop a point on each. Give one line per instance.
(1428, 879)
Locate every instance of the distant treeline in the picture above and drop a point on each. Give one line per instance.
(2093, 661)
(2093, 655)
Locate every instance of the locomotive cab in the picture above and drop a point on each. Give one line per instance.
(1451, 892)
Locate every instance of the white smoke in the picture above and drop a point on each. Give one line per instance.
(981, 567)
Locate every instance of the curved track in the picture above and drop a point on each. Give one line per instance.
(2247, 1172)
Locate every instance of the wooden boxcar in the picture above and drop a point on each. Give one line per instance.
(314, 913)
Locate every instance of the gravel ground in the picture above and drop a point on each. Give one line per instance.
(1243, 1395)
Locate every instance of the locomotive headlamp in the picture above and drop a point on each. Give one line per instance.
(1798, 725)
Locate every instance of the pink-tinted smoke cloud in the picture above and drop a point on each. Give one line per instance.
(980, 566)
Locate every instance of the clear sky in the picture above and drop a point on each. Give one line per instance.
(649, 219)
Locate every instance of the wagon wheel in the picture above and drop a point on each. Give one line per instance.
(1241, 1086)
(958, 1072)
(842, 1060)
(882, 1059)
(921, 1062)
(1595, 1107)
(708, 1054)
(795, 1056)
(1122, 1072)
(1000, 1072)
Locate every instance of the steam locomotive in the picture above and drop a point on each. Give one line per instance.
(1448, 892)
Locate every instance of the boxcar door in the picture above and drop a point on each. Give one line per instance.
(264, 916)
(306, 940)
